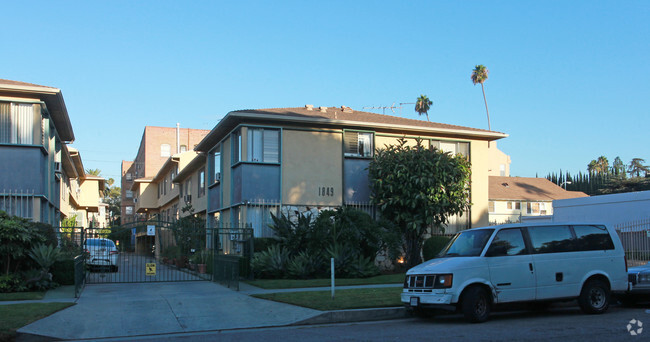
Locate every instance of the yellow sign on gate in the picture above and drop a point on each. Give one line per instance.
(151, 268)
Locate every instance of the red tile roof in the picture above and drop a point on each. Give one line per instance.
(528, 189)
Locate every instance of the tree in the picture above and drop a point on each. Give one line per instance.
(636, 167)
(93, 172)
(417, 188)
(422, 105)
(618, 168)
(480, 75)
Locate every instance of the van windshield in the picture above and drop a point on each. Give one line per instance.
(467, 243)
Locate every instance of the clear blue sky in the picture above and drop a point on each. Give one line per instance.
(568, 80)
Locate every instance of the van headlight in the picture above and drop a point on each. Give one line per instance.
(443, 281)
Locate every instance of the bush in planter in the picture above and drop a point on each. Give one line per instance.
(271, 263)
(434, 245)
(304, 265)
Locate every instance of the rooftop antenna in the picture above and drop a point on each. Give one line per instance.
(383, 108)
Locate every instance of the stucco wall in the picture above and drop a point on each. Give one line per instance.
(479, 193)
(312, 161)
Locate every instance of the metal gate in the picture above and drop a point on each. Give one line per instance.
(148, 251)
(232, 251)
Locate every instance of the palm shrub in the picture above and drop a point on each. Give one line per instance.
(271, 263)
(45, 256)
(305, 265)
(362, 267)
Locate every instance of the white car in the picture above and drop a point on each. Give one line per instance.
(639, 278)
(101, 253)
(510, 263)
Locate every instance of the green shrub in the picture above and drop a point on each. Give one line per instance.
(11, 283)
(271, 263)
(304, 265)
(433, 246)
(262, 244)
(37, 280)
(362, 267)
(63, 272)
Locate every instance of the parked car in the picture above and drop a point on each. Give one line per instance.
(639, 278)
(101, 253)
(510, 263)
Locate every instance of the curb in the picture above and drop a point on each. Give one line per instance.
(356, 315)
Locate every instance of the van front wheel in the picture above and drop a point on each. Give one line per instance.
(594, 298)
(476, 305)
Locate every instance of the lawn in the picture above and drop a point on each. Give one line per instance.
(15, 316)
(22, 296)
(343, 299)
(299, 283)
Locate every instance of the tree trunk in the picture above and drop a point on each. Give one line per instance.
(486, 106)
(413, 248)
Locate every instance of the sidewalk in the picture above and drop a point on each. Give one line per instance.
(62, 294)
(139, 309)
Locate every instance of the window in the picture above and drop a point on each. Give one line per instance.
(532, 207)
(542, 208)
(201, 183)
(502, 170)
(165, 150)
(513, 205)
(263, 145)
(129, 176)
(183, 148)
(16, 123)
(164, 186)
(235, 139)
(592, 238)
(217, 166)
(129, 194)
(491, 206)
(129, 210)
(453, 147)
(551, 239)
(507, 242)
(359, 144)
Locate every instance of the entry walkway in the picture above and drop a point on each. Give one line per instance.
(120, 310)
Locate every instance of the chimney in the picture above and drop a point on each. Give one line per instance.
(323, 109)
(346, 109)
(309, 107)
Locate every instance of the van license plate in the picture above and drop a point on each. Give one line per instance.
(415, 301)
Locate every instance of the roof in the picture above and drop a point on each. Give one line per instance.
(341, 117)
(528, 189)
(53, 101)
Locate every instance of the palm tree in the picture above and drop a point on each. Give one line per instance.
(422, 105)
(602, 165)
(480, 75)
(93, 172)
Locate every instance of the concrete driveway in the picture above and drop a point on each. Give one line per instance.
(119, 310)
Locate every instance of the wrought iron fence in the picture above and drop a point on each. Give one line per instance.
(17, 202)
(232, 251)
(635, 237)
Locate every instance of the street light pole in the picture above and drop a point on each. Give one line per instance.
(565, 183)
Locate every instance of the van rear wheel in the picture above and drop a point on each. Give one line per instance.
(594, 297)
(476, 305)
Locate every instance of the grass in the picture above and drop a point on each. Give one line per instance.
(15, 316)
(22, 296)
(343, 299)
(299, 283)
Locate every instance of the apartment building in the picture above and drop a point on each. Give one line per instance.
(160, 148)
(41, 176)
(296, 160)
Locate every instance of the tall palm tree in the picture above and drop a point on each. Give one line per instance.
(636, 167)
(602, 165)
(480, 75)
(422, 105)
(93, 172)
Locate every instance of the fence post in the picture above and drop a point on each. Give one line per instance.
(332, 276)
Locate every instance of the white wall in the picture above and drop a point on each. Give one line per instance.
(609, 209)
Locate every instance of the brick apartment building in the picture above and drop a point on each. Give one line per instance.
(157, 145)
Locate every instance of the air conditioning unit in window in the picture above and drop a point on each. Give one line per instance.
(135, 200)
(217, 176)
(57, 167)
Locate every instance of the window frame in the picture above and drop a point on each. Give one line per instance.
(349, 151)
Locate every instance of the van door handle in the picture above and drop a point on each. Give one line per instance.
(530, 265)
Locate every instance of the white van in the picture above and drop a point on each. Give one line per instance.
(520, 263)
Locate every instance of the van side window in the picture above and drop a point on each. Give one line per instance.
(593, 238)
(551, 239)
(507, 242)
